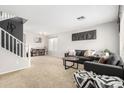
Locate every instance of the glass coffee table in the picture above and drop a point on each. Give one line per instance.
(70, 59)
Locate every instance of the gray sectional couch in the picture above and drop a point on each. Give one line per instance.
(113, 67)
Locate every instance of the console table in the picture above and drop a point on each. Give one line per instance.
(37, 52)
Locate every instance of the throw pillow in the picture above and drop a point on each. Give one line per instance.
(120, 63)
(72, 53)
(102, 60)
(82, 52)
(93, 53)
(116, 60)
(85, 79)
(113, 59)
(78, 52)
(99, 53)
(110, 60)
(88, 53)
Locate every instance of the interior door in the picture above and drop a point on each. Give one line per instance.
(52, 46)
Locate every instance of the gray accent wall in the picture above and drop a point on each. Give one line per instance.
(17, 32)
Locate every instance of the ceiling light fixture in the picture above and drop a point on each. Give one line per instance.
(80, 18)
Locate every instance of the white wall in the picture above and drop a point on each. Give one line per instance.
(10, 62)
(107, 38)
(122, 33)
(30, 36)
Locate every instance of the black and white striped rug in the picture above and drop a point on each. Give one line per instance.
(85, 79)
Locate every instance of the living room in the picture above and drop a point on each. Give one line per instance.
(53, 33)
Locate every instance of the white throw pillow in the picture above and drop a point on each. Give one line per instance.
(72, 52)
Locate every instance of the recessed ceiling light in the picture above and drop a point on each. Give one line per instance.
(80, 18)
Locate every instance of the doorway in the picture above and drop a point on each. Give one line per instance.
(53, 46)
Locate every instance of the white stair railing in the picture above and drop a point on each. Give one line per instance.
(5, 16)
(14, 45)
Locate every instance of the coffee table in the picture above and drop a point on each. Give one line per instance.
(70, 59)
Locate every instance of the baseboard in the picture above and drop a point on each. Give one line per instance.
(1, 73)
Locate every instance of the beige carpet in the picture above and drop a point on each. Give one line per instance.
(45, 72)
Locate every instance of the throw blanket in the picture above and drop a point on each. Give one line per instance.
(85, 79)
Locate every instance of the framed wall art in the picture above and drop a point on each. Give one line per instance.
(88, 35)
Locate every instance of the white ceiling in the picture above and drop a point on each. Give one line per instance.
(55, 19)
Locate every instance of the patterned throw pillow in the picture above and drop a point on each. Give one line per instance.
(88, 53)
(104, 81)
(85, 79)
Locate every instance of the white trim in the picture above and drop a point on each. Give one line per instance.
(1, 73)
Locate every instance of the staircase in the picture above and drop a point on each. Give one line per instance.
(5, 16)
(13, 52)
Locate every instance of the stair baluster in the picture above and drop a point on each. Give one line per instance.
(12, 44)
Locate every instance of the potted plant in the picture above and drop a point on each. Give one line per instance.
(107, 51)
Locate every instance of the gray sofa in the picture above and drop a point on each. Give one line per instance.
(80, 55)
(113, 67)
